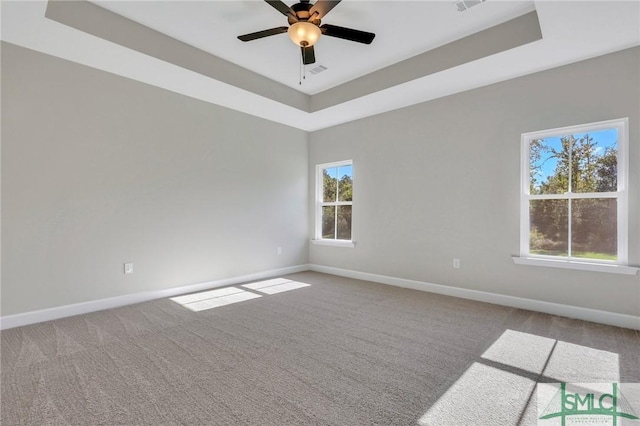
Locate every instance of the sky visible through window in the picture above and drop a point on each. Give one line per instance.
(604, 139)
(339, 172)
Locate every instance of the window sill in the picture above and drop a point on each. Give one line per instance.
(572, 264)
(335, 243)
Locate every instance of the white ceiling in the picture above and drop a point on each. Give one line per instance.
(403, 30)
(572, 31)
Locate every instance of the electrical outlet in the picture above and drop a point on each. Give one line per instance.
(279, 251)
(128, 268)
(456, 263)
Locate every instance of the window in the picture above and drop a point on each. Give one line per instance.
(334, 202)
(574, 191)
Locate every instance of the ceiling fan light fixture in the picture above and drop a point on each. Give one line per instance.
(304, 34)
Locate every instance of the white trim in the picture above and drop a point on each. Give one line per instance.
(623, 189)
(335, 164)
(611, 268)
(574, 196)
(337, 243)
(621, 195)
(319, 202)
(578, 128)
(525, 224)
(17, 320)
(586, 314)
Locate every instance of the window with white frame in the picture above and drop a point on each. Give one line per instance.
(574, 193)
(334, 201)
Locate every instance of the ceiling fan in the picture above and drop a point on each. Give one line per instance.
(304, 26)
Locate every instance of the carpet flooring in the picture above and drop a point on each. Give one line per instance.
(329, 351)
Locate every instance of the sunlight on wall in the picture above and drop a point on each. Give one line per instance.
(226, 296)
(497, 387)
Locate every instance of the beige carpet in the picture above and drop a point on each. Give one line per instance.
(334, 352)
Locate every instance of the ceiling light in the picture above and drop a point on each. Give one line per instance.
(304, 34)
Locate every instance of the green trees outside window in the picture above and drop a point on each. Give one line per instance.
(337, 202)
(573, 195)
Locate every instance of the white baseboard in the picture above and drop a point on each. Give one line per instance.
(17, 320)
(602, 317)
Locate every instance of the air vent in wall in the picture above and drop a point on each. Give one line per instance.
(463, 5)
(317, 69)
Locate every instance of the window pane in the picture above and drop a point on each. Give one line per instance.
(344, 222)
(549, 231)
(329, 222)
(345, 184)
(330, 184)
(549, 165)
(594, 161)
(594, 228)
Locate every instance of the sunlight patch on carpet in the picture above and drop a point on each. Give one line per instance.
(554, 359)
(276, 285)
(214, 298)
(483, 395)
(209, 299)
(582, 364)
(498, 386)
(522, 350)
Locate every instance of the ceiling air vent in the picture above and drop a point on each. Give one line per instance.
(463, 5)
(317, 69)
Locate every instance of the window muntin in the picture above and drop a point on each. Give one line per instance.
(334, 201)
(574, 193)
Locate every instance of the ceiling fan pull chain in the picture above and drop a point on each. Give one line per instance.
(304, 61)
(303, 69)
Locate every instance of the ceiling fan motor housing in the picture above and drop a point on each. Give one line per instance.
(302, 14)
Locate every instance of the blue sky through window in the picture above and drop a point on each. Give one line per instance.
(339, 172)
(345, 170)
(603, 139)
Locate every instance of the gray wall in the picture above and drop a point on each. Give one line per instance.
(440, 180)
(98, 170)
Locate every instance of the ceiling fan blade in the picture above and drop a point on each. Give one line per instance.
(264, 33)
(323, 7)
(281, 7)
(308, 55)
(347, 33)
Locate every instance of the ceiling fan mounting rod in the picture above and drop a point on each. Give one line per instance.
(302, 12)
